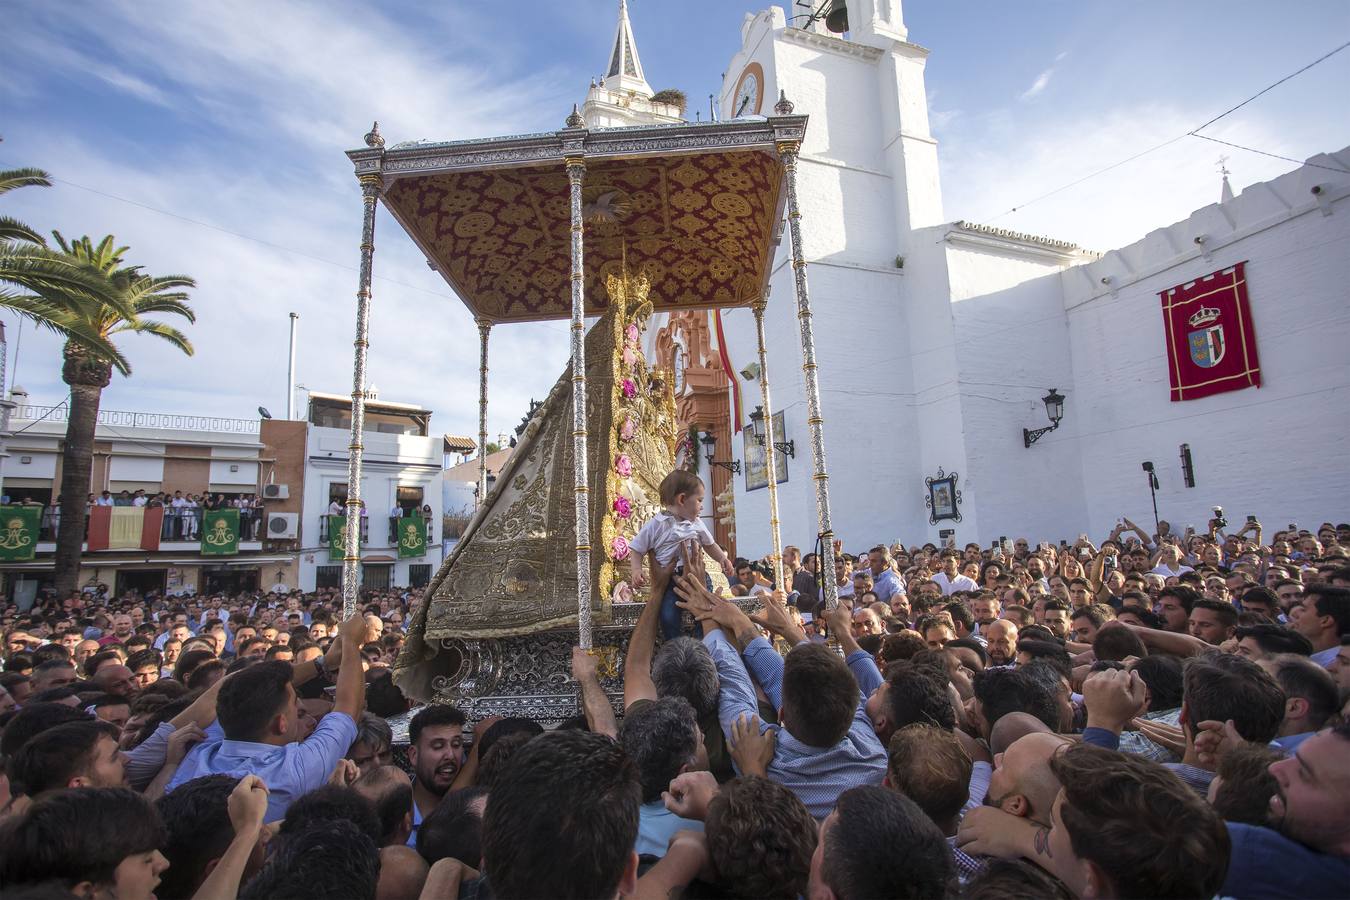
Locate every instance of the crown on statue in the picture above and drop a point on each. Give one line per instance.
(1205, 316)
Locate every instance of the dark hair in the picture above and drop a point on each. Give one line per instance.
(820, 695)
(902, 645)
(916, 862)
(1056, 603)
(918, 695)
(1185, 595)
(328, 859)
(1246, 785)
(1034, 632)
(760, 838)
(1262, 595)
(684, 668)
(1147, 616)
(390, 794)
(1162, 676)
(251, 698)
(432, 716)
(1148, 832)
(454, 829)
(1093, 612)
(504, 728)
(1013, 879)
(969, 644)
(1275, 639)
(331, 803)
(594, 793)
(142, 658)
(1001, 691)
(91, 665)
(188, 661)
(1117, 642)
(1049, 652)
(50, 759)
(69, 837)
(661, 738)
(930, 766)
(1227, 612)
(34, 719)
(1299, 676)
(493, 763)
(55, 695)
(1331, 601)
(1019, 615)
(49, 653)
(961, 614)
(1223, 686)
(196, 816)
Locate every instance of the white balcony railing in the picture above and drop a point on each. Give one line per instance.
(124, 419)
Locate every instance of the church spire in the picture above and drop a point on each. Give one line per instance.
(625, 67)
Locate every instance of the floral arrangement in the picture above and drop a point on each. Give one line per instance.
(623, 465)
(628, 429)
(629, 389)
(618, 548)
(622, 507)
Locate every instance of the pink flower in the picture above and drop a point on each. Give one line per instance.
(622, 508)
(629, 389)
(633, 334)
(623, 593)
(619, 549)
(623, 465)
(630, 357)
(628, 429)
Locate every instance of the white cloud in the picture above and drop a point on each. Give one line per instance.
(292, 86)
(1042, 80)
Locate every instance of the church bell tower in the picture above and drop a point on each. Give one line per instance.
(622, 95)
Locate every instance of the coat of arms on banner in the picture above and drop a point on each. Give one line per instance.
(1211, 339)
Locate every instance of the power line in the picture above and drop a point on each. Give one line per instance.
(1205, 137)
(1191, 133)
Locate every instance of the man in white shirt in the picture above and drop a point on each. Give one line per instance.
(335, 508)
(1169, 562)
(139, 499)
(104, 499)
(949, 579)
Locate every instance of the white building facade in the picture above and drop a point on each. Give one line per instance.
(400, 476)
(937, 339)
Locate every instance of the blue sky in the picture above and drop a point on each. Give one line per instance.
(235, 115)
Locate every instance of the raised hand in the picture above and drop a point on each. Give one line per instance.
(751, 747)
(247, 804)
(690, 793)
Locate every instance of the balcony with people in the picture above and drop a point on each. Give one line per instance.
(179, 514)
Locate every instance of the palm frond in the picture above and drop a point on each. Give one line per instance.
(12, 229)
(10, 179)
(55, 318)
(160, 330)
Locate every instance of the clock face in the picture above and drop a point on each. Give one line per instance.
(749, 92)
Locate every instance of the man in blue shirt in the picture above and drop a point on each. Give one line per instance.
(662, 738)
(826, 744)
(885, 580)
(256, 731)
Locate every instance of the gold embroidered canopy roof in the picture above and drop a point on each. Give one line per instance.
(694, 207)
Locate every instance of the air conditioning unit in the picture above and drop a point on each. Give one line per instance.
(276, 492)
(283, 526)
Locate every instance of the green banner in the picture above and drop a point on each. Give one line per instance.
(19, 526)
(337, 535)
(220, 532)
(412, 536)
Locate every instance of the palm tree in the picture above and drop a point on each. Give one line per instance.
(55, 285)
(87, 369)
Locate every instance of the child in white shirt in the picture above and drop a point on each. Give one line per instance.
(660, 539)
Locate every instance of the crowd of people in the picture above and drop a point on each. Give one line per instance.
(1159, 715)
(183, 510)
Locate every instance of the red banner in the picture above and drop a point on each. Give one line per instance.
(1211, 342)
(124, 528)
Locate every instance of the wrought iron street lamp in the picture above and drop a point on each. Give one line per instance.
(1054, 409)
(710, 449)
(789, 448)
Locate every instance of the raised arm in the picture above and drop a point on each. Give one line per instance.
(594, 701)
(637, 663)
(1167, 641)
(351, 680)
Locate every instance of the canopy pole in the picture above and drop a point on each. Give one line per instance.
(351, 560)
(787, 152)
(484, 326)
(770, 452)
(576, 171)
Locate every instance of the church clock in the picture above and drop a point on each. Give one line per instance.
(749, 95)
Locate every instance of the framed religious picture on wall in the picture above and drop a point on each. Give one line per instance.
(756, 474)
(943, 500)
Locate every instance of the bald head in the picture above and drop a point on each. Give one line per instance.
(1013, 726)
(1023, 784)
(402, 873)
(1001, 636)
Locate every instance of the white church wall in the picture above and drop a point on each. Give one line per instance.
(1011, 346)
(1278, 452)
